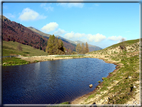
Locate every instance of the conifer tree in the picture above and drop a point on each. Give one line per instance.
(87, 48)
(54, 46)
(83, 49)
(78, 48)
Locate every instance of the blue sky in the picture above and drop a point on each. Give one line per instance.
(100, 24)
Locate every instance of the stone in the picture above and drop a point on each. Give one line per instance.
(91, 85)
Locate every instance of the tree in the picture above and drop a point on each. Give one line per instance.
(87, 48)
(60, 45)
(122, 45)
(55, 46)
(50, 45)
(83, 49)
(78, 48)
(19, 48)
(69, 51)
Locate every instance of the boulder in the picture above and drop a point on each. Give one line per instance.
(91, 85)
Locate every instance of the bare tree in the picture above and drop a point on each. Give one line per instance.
(19, 47)
(122, 45)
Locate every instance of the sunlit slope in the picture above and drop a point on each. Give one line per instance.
(131, 46)
(10, 47)
(122, 86)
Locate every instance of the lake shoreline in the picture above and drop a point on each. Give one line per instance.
(35, 59)
(83, 97)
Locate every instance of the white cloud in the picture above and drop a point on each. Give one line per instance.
(29, 14)
(69, 35)
(97, 38)
(59, 32)
(49, 27)
(74, 35)
(86, 37)
(9, 15)
(46, 6)
(115, 38)
(80, 5)
(42, 4)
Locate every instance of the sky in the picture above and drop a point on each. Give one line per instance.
(99, 24)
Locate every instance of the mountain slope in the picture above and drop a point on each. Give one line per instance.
(91, 47)
(12, 31)
(66, 43)
(39, 32)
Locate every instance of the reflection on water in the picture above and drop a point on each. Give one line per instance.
(52, 82)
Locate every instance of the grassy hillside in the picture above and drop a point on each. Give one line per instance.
(11, 48)
(122, 86)
(127, 43)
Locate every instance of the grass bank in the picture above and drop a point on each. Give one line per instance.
(122, 85)
(10, 48)
(13, 61)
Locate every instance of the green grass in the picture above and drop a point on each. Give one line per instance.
(126, 76)
(65, 102)
(13, 61)
(128, 42)
(11, 48)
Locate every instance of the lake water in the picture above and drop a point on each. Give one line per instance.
(52, 82)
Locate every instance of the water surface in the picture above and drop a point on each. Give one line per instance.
(52, 82)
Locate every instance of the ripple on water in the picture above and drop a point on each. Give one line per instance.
(52, 82)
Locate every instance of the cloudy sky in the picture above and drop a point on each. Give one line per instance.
(100, 24)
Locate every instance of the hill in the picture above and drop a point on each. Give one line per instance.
(122, 85)
(39, 32)
(13, 31)
(10, 48)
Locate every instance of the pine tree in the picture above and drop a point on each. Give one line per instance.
(83, 49)
(87, 48)
(78, 48)
(50, 45)
(55, 46)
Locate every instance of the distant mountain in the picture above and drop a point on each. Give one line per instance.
(12, 31)
(66, 43)
(91, 47)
